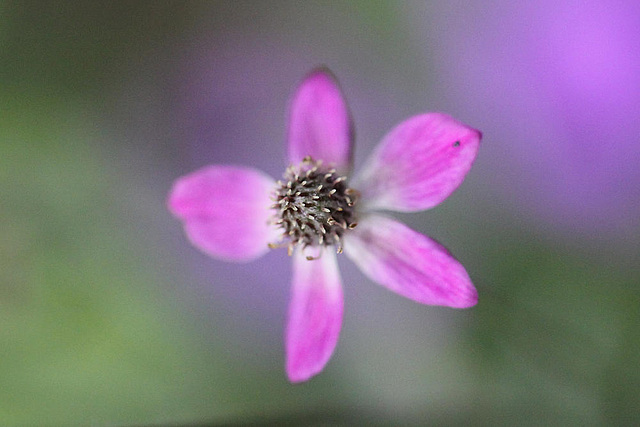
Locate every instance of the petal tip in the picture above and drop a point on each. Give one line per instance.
(298, 376)
(321, 71)
(478, 134)
(467, 301)
(173, 201)
(475, 136)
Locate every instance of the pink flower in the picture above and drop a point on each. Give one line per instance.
(238, 213)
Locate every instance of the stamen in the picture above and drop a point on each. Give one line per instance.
(339, 250)
(277, 245)
(313, 207)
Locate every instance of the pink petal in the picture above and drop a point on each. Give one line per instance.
(418, 164)
(409, 263)
(225, 210)
(315, 315)
(319, 122)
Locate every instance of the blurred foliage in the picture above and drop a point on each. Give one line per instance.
(83, 330)
(76, 47)
(554, 341)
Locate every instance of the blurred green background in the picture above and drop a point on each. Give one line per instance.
(109, 317)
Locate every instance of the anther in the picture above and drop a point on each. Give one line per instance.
(339, 249)
(313, 206)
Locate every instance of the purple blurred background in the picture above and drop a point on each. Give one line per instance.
(556, 87)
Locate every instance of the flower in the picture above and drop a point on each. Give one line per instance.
(237, 213)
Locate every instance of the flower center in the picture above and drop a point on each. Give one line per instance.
(314, 206)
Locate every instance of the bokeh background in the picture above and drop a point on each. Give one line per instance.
(109, 317)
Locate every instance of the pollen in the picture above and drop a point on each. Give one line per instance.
(313, 206)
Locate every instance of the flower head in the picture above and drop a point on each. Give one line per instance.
(237, 213)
